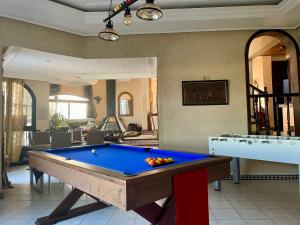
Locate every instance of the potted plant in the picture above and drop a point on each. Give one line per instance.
(58, 121)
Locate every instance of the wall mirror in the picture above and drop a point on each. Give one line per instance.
(125, 101)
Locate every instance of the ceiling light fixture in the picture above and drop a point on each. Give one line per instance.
(109, 34)
(149, 11)
(127, 20)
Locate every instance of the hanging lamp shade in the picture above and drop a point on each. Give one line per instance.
(108, 33)
(149, 11)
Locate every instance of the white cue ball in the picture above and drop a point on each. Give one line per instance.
(93, 151)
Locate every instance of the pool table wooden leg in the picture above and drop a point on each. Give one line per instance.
(159, 215)
(63, 211)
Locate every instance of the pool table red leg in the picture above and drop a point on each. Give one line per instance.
(188, 205)
(191, 194)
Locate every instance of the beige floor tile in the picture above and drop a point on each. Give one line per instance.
(220, 204)
(287, 222)
(242, 204)
(259, 222)
(213, 222)
(231, 222)
(94, 222)
(280, 214)
(266, 204)
(141, 222)
(128, 221)
(289, 204)
(225, 214)
(252, 214)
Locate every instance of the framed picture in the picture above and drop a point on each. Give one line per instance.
(206, 92)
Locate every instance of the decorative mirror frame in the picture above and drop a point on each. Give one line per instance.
(130, 106)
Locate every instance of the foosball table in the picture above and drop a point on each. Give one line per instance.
(258, 147)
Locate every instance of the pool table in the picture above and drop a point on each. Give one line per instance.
(118, 175)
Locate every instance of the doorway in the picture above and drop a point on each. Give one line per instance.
(272, 81)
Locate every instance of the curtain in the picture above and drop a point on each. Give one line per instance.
(88, 93)
(13, 118)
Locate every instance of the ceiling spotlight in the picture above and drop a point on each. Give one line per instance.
(149, 11)
(109, 34)
(127, 20)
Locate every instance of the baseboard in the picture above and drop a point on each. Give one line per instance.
(266, 177)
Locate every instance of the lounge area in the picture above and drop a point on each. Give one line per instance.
(146, 112)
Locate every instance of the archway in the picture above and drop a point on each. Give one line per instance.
(30, 125)
(259, 110)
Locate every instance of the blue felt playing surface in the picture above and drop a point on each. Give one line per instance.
(127, 160)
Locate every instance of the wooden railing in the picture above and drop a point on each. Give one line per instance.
(260, 104)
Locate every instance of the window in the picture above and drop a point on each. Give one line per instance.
(70, 106)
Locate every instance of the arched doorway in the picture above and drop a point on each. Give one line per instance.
(29, 109)
(272, 60)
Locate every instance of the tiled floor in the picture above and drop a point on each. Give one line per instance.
(252, 203)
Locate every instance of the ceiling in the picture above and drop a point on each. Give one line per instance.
(102, 5)
(85, 17)
(59, 69)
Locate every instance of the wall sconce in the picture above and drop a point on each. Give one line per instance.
(97, 99)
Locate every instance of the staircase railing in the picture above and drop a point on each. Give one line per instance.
(260, 101)
(260, 112)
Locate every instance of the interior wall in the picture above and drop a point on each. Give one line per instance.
(69, 90)
(261, 78)
(181, 56)
(153, 95)
(139, 89)
(22, 34)
(41, 92)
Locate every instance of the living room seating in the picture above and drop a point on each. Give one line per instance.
(40, 139)
(95, 137)
(60, 140)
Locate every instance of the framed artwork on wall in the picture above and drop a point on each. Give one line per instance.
(205, 92)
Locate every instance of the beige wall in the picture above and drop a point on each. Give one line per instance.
(17, 33)
(139, 89)
(68, 90)
(41, 91)
(262, 77)
(181, 56)
(262, 72)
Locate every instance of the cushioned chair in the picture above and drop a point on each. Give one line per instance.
(95, 137)
(76, 136)
(60, 140)
(40, 139)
